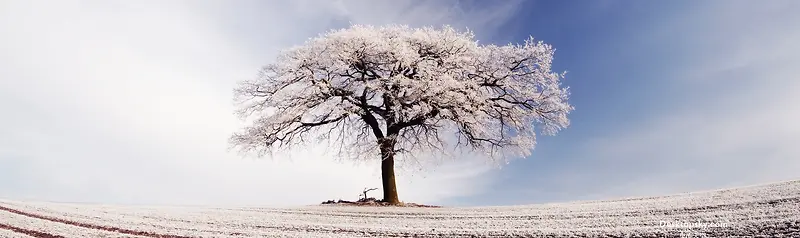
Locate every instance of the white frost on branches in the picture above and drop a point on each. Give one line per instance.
(408, 87)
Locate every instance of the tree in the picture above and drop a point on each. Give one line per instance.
(393, 90)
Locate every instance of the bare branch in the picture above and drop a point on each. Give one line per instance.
(408, 87)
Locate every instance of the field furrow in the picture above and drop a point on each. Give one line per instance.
(7, 231)
(771, 210)
(45, 228)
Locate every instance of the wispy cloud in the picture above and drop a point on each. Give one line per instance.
(689, 96)
(728, 117)
(129, 102)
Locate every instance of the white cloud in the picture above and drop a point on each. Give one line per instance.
(129, 102)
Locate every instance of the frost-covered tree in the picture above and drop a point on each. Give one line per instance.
(384, 92)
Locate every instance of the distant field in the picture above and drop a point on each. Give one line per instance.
(771, 210)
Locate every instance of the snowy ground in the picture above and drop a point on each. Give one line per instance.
(758, 211)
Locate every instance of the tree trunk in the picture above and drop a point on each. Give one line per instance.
(387, 174)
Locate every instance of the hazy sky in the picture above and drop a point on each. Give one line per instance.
(131, 101)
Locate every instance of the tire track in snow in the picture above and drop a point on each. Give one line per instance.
(84, 225)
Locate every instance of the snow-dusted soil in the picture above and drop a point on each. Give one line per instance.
(771, 210)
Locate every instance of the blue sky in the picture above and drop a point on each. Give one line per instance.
(130, 102)
(628, 64)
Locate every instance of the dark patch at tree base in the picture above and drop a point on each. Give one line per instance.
(372, 202)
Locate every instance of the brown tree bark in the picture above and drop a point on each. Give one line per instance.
(389, 185)
(387, 174)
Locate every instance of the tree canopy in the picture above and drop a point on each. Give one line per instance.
(424, 82)
(396, 89)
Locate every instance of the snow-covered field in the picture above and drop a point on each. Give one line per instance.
(771, 210)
